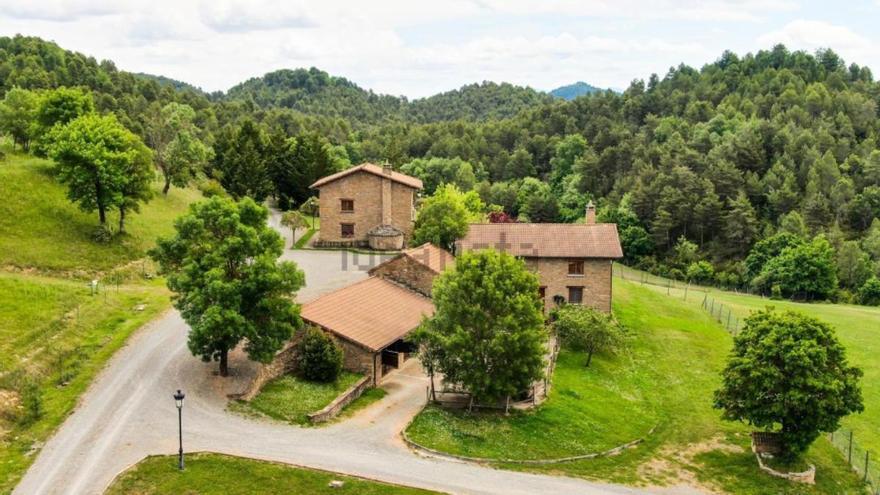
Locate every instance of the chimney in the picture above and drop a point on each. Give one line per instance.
(386, 168)
(590, 218)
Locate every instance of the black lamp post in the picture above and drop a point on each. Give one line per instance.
(178, 400)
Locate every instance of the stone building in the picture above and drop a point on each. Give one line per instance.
(573, 261)
(372, 318)
(366, 206)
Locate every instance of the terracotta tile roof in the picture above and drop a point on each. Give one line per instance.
(373, 313)
(434, 257)
(406, 180)
(545, 240)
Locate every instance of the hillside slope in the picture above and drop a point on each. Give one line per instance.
(572, 91)
(41, 229)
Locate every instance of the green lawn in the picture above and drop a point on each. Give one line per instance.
(40, 228)
(291, 399)
(53, 333)
(858, 327)
(667, 376)
(207, 474)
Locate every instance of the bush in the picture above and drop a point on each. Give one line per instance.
(31, 402)
(102, 234)
(211, 188)
(587, 330)
(869, 293)
(319, 358)
(700, 272)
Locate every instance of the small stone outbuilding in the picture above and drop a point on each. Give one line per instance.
(416, 268)
(366, 206)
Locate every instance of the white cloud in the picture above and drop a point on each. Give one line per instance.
(810, 35)
(57, 10)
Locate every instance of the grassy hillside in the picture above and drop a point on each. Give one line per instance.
(858, 327)
(668, 375)
(40, 228)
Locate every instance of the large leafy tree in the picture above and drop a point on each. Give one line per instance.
(104, 165)
(488, 325)
(788, 372)
(444, 217)
(435, 172)
(17, 112)
(222, 266)
(174, 137)
(804, 271)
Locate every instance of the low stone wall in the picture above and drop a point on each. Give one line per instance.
(284, 363)
(359, 243)
(345, 398)
(808, 476)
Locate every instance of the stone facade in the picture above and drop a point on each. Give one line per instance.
(357, 359)
(556, 281)
(376, 201)
(407, 272)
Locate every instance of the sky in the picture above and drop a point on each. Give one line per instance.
(416, 48)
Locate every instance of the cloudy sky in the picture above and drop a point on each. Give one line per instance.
(417, 48)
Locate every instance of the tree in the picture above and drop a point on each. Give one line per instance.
(173, 136)
(740, 224)
(443, 218)
(700, 272)
(310, 207)
(222, 266)
(542, 208)
(436, 171)
(869, 293)
(293, 220)
(806, 271)
(318, 357)
(587, 330)
(853, 265)
(240, 161)
(788, 371)
(103, 164)
(488, 325)
(767, 249)
(17, 112)
(57, 107)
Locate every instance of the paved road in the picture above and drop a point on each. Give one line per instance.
(128, 413)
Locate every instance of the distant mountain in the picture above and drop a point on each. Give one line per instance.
(572, 91)
(315, 92)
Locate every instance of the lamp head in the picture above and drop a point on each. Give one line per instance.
(178, 399)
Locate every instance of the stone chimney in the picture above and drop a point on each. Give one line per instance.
(590, 217)
(386, 169)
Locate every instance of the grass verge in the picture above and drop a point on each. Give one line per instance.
(208, 474)
(291, 399)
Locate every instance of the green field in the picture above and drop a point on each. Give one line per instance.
(40, 228)
(291, 399)
(57, 336)
(208, 474)
(858, 327)
(668, 374)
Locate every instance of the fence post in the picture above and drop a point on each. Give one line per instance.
(728, 319)
(705, 297)
(668, 284)
(849, 455)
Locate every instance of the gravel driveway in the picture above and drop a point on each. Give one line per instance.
(128, 413)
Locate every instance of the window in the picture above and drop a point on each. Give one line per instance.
(347, 229)
(347, 205)
(575, 295)
(542, 293)
(576, 267)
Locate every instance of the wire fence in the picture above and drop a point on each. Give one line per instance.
(864, 462)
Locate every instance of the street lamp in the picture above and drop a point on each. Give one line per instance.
(178, 400)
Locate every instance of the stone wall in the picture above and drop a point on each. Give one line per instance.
(596, 280)
(332, 409)
(407, 272)
(360, 360)
(366, 190)
(284, 363)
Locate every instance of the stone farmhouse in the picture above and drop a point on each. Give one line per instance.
(573, 261)
(371, 318)
(366, 206)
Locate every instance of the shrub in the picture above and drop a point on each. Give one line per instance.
(587, 330)
(869, 293)
(31, 402)
(211, 188)
(102, 234)
(700, 272)
(319, 358)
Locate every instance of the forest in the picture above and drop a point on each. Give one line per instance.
(757, 171)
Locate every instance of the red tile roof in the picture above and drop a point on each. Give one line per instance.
(434, 257)
(374, 169)
(545, 240)
(373, 313)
